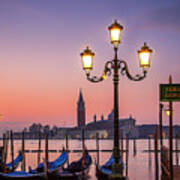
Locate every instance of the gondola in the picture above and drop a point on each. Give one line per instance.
(38, 173)
(105, 172)
(74, 171)
(52, 166)
(21, 175)
(9, 166)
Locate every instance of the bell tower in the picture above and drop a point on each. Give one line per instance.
(81, 117)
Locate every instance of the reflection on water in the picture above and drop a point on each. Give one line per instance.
(141, 166)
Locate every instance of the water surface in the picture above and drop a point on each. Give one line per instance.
(141, 165)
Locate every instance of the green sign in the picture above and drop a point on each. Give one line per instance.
(169, 92)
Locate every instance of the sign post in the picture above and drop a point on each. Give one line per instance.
(170, 93)
(171, 130)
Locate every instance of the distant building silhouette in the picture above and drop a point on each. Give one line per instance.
(81, 112)
(104, 126)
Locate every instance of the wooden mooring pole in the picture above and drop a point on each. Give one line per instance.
(149, 149)
(177, 155)
(127, 154)
(83, 154)
(46, 151)
(122, 144)
(67, 148)
(12, 149)
(23, 154)
(156, 154)
(160, 124)
(4, 140)
(3, 153)
(165, 169)
(97, 148)
(134, 147)
(39, 149)
(6, 149)
(149, 143)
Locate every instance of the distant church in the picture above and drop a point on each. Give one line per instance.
(81, 111)
(104, 126)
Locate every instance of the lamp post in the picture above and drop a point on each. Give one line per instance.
(160, 124)
(169, 112)
(116, 66)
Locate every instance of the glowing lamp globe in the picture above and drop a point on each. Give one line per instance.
(115, 30)
(144, 56)
(87, 59)
(168, 112)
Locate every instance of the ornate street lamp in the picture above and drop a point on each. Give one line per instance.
(144, 56)
(115, 30)
(87, 59)
(116, 66)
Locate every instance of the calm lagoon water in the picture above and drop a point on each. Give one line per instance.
(141, 166)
